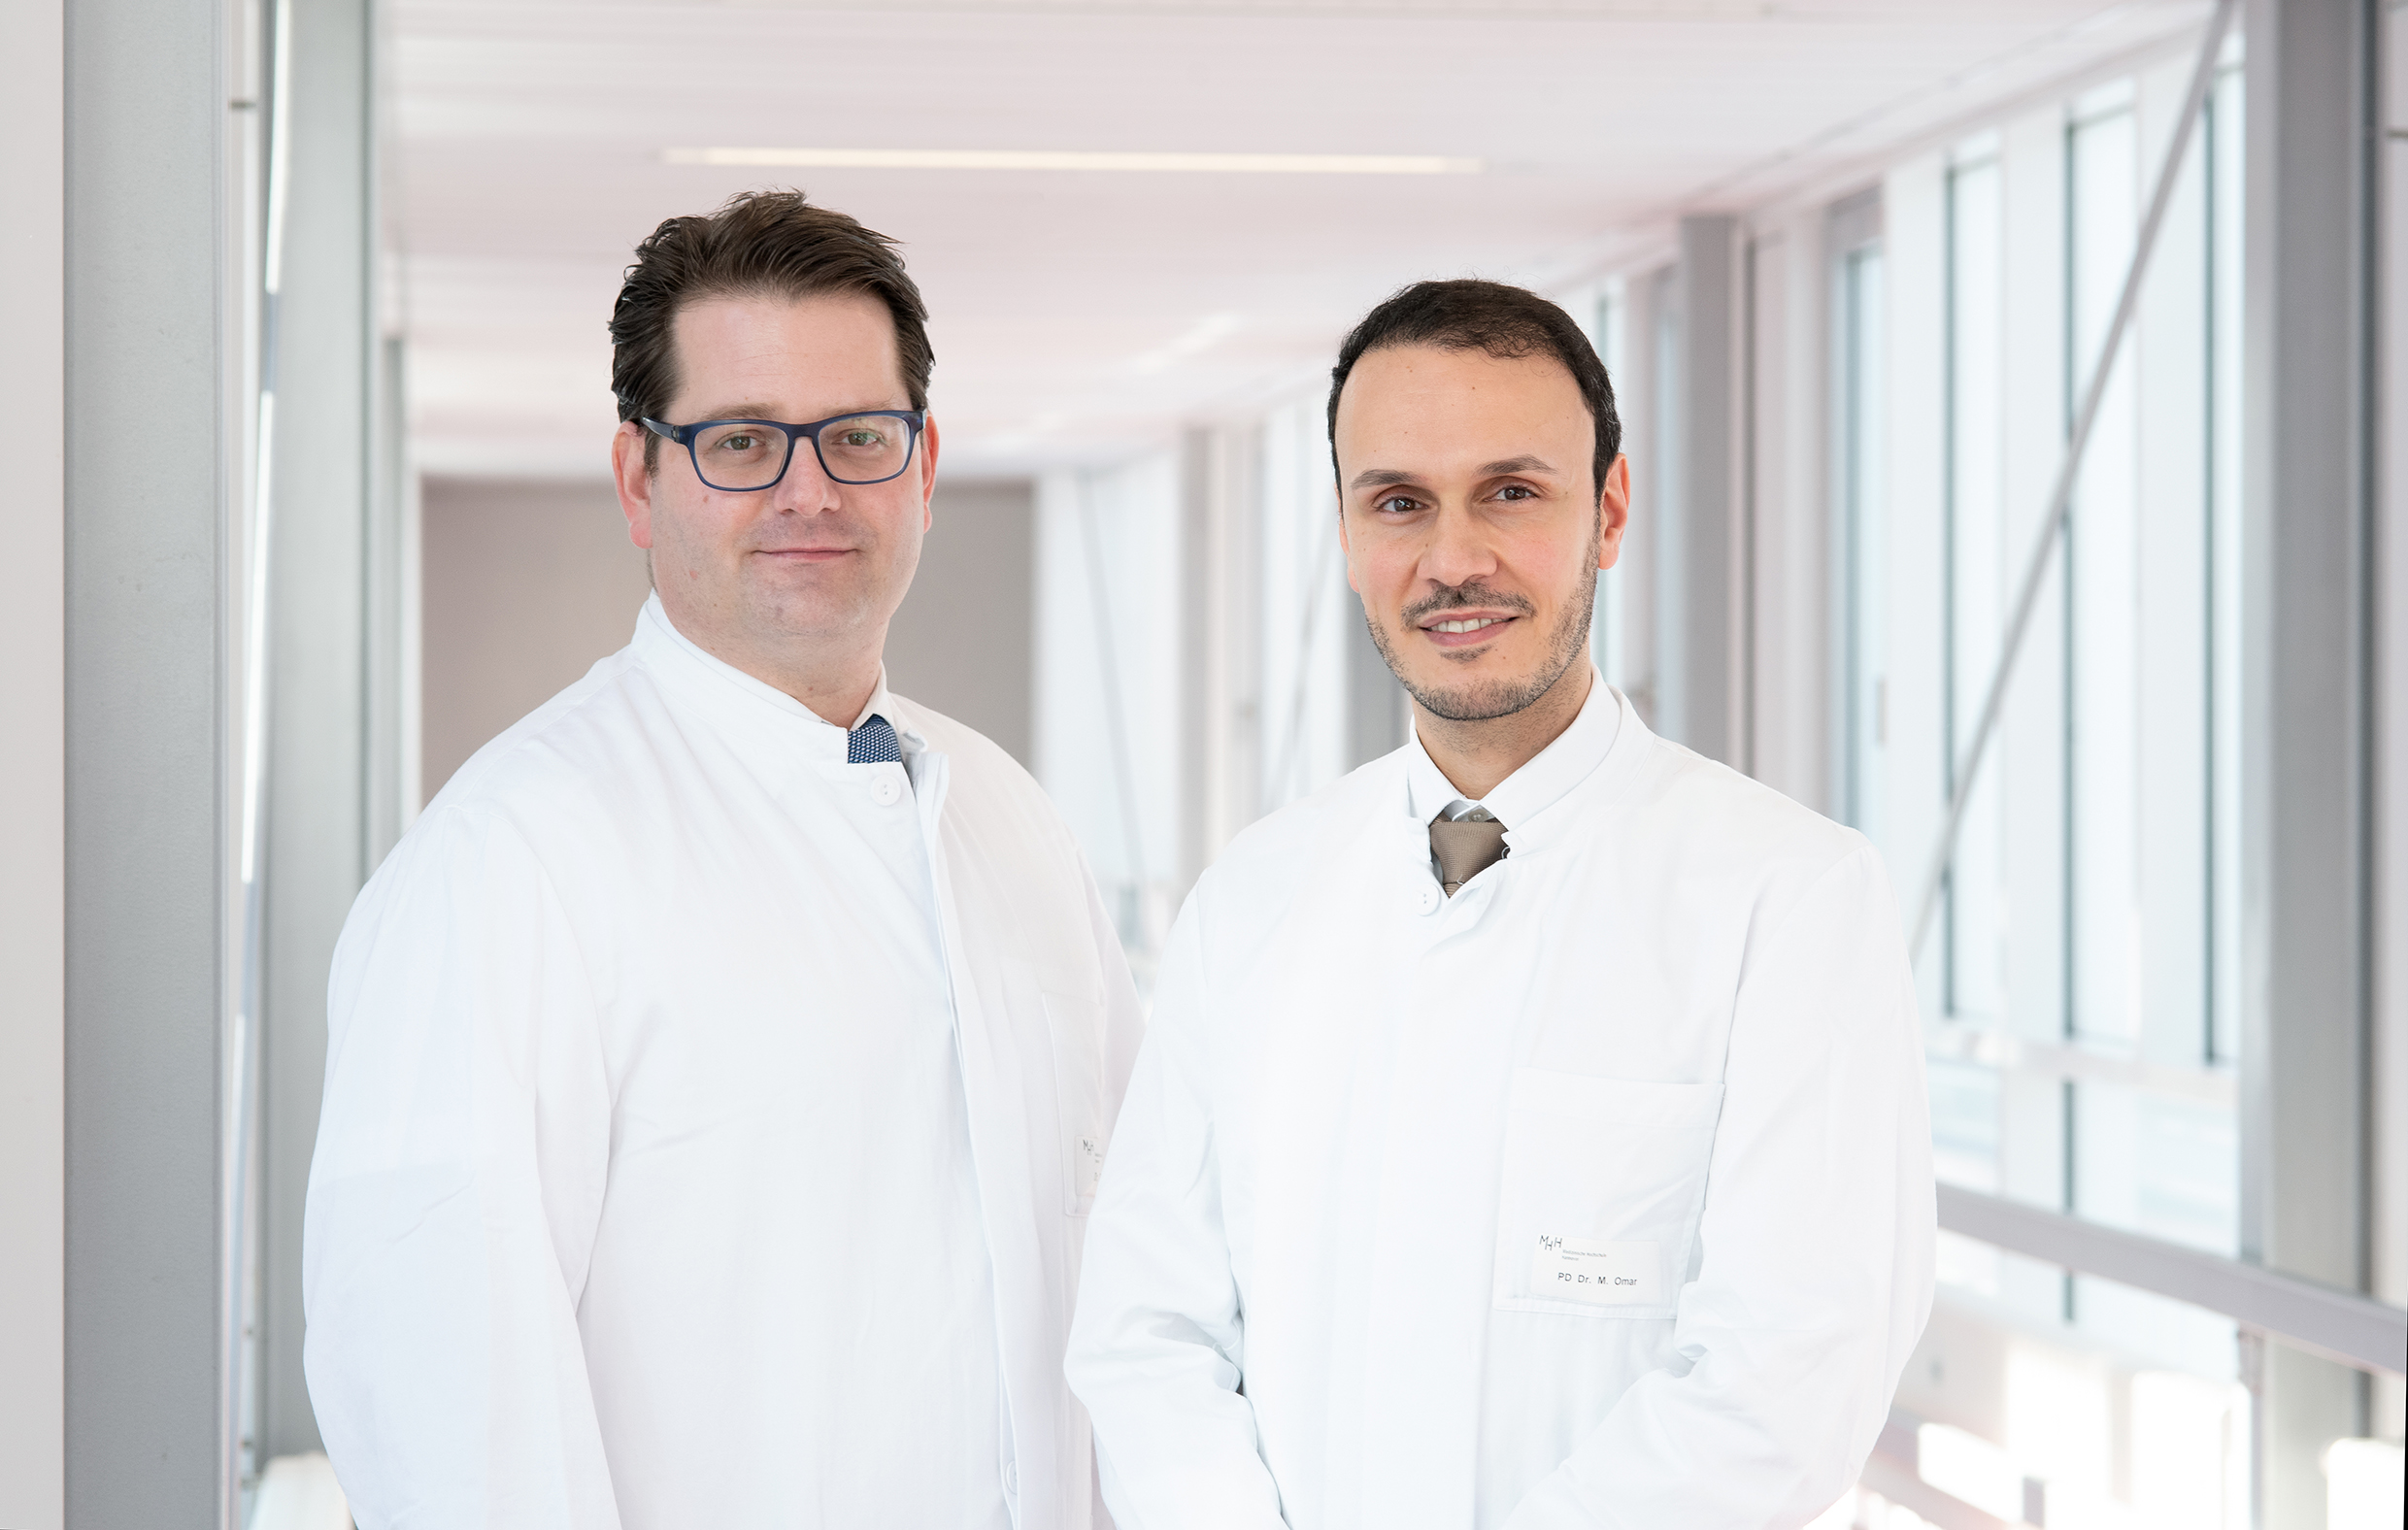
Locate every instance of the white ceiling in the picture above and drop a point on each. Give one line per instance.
(1083, 315)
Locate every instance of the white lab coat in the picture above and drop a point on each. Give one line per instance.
(1598, 1195)
(710, 1126)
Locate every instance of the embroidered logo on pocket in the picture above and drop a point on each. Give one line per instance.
(1595, 1272)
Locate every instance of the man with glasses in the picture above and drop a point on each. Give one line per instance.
(720, 1067)
(1531, 1131)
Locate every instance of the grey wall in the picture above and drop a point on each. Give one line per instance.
(965, 640)
(527, 583)
(524, 584)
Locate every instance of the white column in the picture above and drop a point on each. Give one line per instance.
(33, 779)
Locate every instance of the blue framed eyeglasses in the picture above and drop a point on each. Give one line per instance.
(738, 457)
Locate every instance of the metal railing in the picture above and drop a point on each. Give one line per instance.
(2345, 1326)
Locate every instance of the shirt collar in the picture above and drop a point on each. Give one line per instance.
(1542, 780)
(698, 672)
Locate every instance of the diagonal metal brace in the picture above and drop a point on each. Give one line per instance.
(2061, 493)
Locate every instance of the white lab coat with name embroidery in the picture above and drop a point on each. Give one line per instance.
(710, 1125)
(1598, 1195)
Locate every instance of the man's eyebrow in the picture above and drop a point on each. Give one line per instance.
(1380, 478)
(1520, 464)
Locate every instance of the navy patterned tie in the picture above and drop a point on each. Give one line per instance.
(873, 742)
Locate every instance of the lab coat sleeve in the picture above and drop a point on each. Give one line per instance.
(1816, 1238)
(1158, 1337)
(454, 1196)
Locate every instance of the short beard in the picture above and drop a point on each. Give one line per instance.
(1484, 700)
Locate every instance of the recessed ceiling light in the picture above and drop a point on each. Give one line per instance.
(1074, 159)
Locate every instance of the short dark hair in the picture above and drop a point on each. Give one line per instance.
(759, 244)
(1507, 322)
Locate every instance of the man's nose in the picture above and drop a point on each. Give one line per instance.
(806, 489)
(1457, 552)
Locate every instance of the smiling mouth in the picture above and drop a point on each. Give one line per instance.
(1473, 624)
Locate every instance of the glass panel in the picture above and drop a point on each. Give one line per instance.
(2102, 558)
(1966, 1124)
(1979, 560)
(2155, 1164)
(2224, 148)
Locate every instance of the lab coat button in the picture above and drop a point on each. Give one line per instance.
(1011, 1480)
(885, 791)
(1426, 900)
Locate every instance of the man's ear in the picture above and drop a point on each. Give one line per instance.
(633, 481)
(928, 475)
(1346, 549)
(1613, 513)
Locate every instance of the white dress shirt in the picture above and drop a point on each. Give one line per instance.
(1540, 783)
(1598, 1194)
(710, 1125)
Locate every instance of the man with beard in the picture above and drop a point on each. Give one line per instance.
(1530, 1129)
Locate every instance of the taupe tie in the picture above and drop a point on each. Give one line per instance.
(1466, 848)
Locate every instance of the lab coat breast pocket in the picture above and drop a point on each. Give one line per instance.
(1604, 1180)
(1076, 1027)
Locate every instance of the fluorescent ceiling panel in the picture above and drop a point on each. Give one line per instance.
(1075, 159)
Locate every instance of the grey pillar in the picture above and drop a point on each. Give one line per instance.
(1696, 655)
(148, 365)
(2305, 621)
(317, 808)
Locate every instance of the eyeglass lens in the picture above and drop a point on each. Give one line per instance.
(866, 449)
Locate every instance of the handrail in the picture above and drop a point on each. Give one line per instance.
(2344, 1326)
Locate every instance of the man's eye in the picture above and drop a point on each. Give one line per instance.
(1397, 504)
(1517, 491)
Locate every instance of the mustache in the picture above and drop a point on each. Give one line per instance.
(1464, 597)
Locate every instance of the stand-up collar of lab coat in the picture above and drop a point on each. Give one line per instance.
(1541, 782)
(752, 706)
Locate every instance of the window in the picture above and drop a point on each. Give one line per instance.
(2083, 1014)
(1862, 400)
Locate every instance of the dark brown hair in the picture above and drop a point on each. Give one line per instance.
(757, 243)
(1507, 322)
